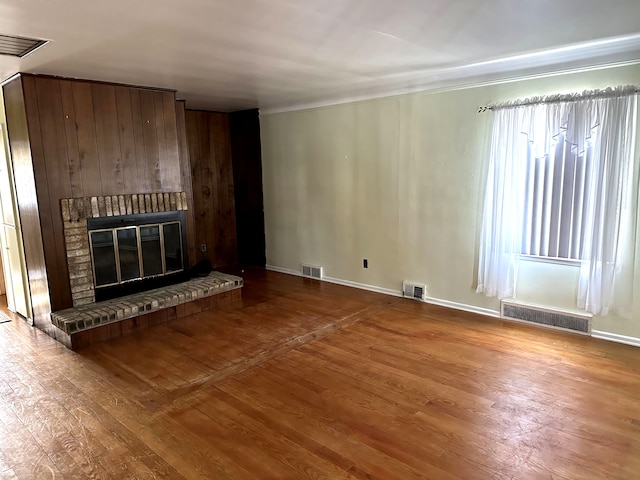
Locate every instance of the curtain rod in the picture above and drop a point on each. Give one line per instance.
(621, 91)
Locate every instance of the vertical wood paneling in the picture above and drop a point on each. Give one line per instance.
(86, 133)
(192, 121)
(247, 184)
(26, 193)
(226, 245)
(127, 141)
(52, 168)
(86, 139)
(107, 138)
(150, 135)
(163, 168)
(71, 136)
(170, 174)
(45, 227)
(142, 175)
(209, 186)
(214, 204)
(185, 174)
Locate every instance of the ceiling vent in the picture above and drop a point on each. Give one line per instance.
(18, 46)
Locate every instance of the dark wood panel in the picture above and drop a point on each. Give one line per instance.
(211, 167)
(150, 136)
(226, 246)
(170, 171)
(247, 184)
(192, 121)
(127, 140)
(87, 143)
(185, 175)
(107, 138)
(209, 188)
(163, 170)
(71, 136)
(142, 175)
(23, 170)
(51, 167)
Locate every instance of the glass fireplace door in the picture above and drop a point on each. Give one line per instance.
(128, 256)
(103, 253)
(151, 250)
(136, 252)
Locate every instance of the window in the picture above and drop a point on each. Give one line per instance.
(554, 215)
(558, 185)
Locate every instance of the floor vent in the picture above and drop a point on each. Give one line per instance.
(416, 291)
(575, 322)
(311, 271)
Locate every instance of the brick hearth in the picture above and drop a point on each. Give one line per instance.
(95, 322)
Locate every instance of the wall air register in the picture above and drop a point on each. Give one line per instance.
(413, 290)
(575, 322)
(131, 253)
(311, 271)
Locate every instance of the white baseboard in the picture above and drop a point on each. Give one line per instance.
(283, 270)
(395, 293)
(363, 286)
(614, 337)
(464, 307)
(431, 300)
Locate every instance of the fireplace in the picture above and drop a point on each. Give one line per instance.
(133, 253)
(122, 244)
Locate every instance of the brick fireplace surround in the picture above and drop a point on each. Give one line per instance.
(76, 211)
(90, 322)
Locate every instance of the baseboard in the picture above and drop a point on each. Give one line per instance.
(395, 293)
(363, 286)
(614, 337)
(487, 312)
(283, 270)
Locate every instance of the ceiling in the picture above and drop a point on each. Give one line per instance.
(278, 54)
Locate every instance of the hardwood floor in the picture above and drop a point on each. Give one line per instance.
(314, 380)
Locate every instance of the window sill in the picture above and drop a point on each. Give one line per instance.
(553, 260)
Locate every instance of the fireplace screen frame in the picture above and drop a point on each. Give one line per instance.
(140, 282)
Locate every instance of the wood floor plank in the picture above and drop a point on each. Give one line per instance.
(296, 419)
(247, 426)
(306, 379)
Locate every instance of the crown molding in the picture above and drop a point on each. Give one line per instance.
(587, 56)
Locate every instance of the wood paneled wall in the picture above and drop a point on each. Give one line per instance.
(209, 144)
(18, 133)
(247, 180)
(187, 183)
(90, 138)
(76, 138)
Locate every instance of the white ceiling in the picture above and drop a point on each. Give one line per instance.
(276, 54)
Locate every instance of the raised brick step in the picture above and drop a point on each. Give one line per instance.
(76, 320)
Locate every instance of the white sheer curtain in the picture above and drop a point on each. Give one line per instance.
(596, 125)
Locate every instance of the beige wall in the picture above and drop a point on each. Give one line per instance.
(400, 181)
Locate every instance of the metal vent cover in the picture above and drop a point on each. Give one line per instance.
(18, 46)
(311, 271)
(558, 319)
(416, 291)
